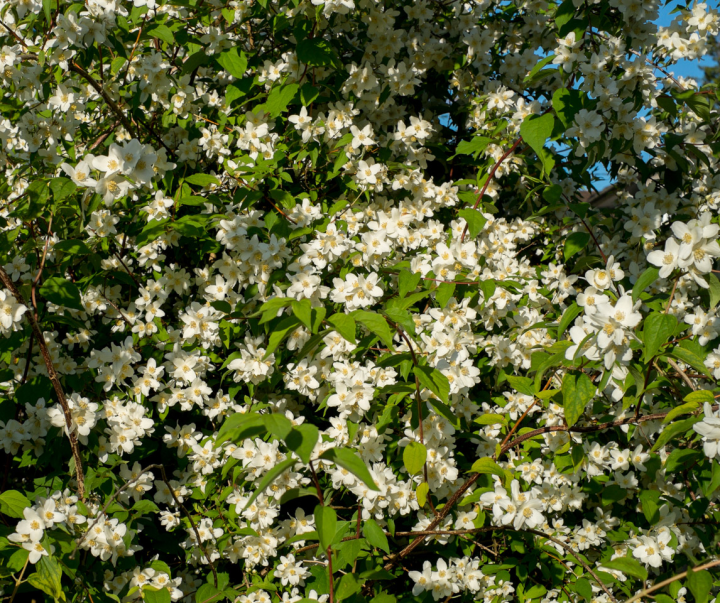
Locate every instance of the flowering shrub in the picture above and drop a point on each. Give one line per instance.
(308, 301)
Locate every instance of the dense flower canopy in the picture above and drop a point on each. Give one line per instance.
(312, 301)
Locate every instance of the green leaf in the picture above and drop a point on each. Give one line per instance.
(683, 409)
(326, 524)
(700, 397)
(62, 292)
(475, 220)
(375, 535)
(153, 595)
(401, 317)
(349, 585)
(566, 104)
(535, 130)
(269, 478)
(145, 506)
(48, 577)
(688, 356)
(278, 425)
(524, 385)
(658, 328)
(347, 459)
(280, 98)
(700, 583)
(714, 290)
(208, 593)
(628, 566)
(232, 62)
(577, 391)
(486, 465)
(432, 379)
(422, 493)
(443, 293)
(490, 419)
(576, 242)
(414, 457)
(47, 8)
(241, 426)
(648, 277)
(270, 308)
(475, 145)
(376, 324)
(672, 431)
(62, 188)
(315, 52)
(343, 324)
(12, 503)
(650, 506)
(584, 589)
(488, 288)
(612, 494)
(302, 440)
(538, 67)
(194, 61)
(202, 180)
(303, 310)
(72, 247)
(681, 458)
(408, 282)
(349, 550)
(286, 326)
(570, 314)
(564, 13)
(700, 105)
(162, 32)
(709, 486)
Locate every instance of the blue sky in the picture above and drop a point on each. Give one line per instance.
(683, 68)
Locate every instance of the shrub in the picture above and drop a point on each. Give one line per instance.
(313, 301)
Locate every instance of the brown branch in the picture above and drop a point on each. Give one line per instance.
(592, 428)
(395, 559)
(660, 585)
(430, 532)
(55, 380)
(491, 175)
(104, 136)
(682, 373)
(124, 487)
(418, 400)
(106, 97)
(597, 244)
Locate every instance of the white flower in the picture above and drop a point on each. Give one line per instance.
(666, 260)
(709, 429)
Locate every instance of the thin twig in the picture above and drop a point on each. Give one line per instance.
(682, 373)
(55, 380)
(491, 175)
(660, 585)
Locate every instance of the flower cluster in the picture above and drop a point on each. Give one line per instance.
(316, 300)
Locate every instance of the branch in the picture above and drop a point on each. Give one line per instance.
(682, 373)
(7, 281)
(592, 428)
(129, 483)
(658, 586)
(106, 97)
(491, 175)
(430, 532)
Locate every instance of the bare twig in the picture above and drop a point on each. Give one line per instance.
(659, 585)
(681, 372)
